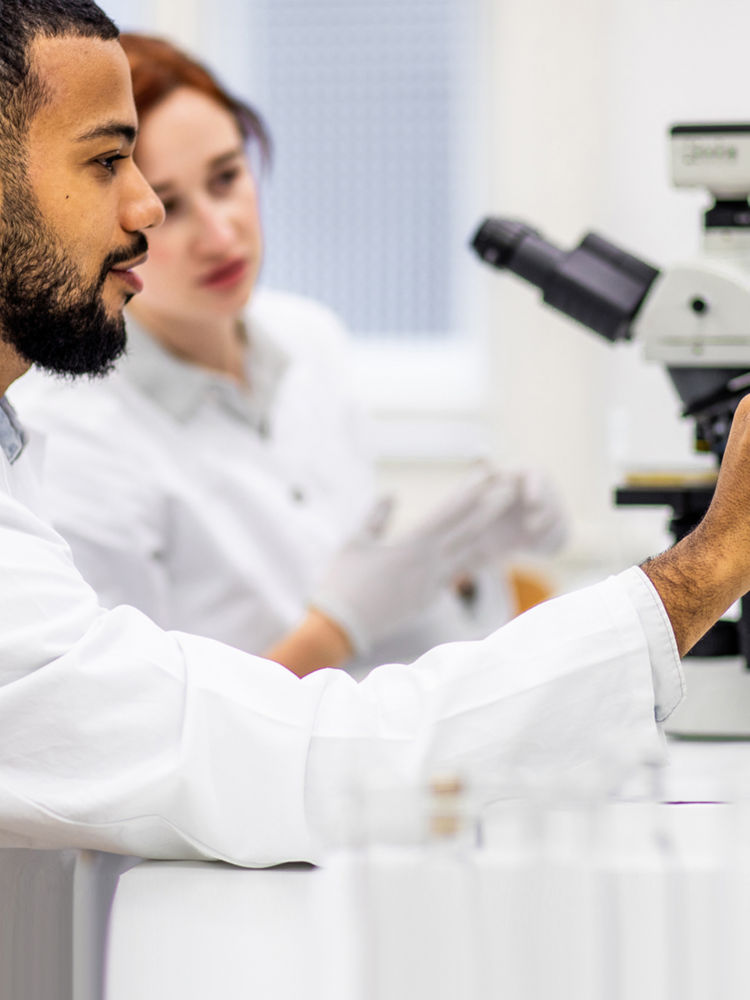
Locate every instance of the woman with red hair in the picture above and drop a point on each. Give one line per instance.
(221, 472)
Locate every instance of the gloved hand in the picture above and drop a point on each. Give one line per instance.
(541, 524)
(373, 587)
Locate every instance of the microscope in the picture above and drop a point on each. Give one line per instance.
(694, 318)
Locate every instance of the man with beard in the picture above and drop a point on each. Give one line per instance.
(64, 272)
(119, 736)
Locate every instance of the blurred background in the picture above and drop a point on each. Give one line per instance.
(398, 125)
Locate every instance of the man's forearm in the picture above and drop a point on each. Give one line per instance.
(706, 572)
(696, 585)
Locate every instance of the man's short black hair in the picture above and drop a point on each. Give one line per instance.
(21, 93)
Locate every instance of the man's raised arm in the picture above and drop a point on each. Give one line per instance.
(706, 572)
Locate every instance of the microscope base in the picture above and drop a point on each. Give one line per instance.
(717, 701)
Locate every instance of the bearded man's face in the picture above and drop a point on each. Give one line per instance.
(73, 211)
(47, 311)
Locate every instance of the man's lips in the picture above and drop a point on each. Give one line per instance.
(127, 275)
(225, 276)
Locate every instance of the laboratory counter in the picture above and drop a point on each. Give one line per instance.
(629, 900)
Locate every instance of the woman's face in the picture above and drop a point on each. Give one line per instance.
(205, 258)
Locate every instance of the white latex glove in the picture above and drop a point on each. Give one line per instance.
(374, 587)
(542, 523)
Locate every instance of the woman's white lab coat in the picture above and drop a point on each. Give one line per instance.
(217, 510)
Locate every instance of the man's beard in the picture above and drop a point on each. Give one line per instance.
(47, 313)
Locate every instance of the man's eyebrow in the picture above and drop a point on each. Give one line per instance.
(110, 130)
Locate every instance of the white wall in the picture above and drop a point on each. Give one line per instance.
(547, 115)
(584, 95)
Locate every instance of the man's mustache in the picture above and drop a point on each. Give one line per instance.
(137, 248)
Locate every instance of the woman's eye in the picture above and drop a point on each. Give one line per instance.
(170, 205)
(225, 179)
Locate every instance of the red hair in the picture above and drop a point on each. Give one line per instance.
(158, 68)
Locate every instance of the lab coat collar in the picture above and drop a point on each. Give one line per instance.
(12, 435)
(180, 387)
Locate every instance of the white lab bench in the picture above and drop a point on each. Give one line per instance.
(87, 926)
(185, 929)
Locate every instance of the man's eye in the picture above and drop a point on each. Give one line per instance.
(108, 162)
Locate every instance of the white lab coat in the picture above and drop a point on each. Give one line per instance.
(117, 735)
(214, 510)
(175, 501)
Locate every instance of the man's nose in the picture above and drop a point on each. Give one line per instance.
(141, 208)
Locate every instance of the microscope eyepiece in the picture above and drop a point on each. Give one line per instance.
(497, 240)
(597, 283)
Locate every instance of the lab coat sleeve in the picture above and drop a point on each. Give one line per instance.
(119, 736)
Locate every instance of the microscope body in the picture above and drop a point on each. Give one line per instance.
(697, 315)
(693, 318)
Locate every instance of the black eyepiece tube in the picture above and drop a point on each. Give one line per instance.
(597, 283)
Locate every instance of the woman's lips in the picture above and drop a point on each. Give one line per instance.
(226, 276)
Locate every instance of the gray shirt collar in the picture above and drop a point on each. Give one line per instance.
(12, 434)
(180, 387)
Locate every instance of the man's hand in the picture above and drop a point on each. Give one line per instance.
(706, 572)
